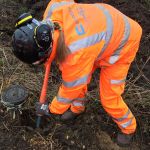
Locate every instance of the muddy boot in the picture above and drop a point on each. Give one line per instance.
(124, 140)
(68, 116)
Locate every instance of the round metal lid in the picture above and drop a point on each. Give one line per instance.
(14, 95)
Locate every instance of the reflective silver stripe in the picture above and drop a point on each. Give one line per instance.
(36, 22)
(67, 100)
(63, 100)
(86, 42)
(109, 28)
(77, 104)
(55, 6)
(79, 81)
(79, 99)
(124, 125)
(124, 117)
(115, 56)
(117, 81)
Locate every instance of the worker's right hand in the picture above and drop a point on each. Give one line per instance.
(42, 109)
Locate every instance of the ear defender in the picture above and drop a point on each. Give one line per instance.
(43, 36)
(23, 19)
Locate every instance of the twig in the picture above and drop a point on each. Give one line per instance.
(147, 113)
(142, 92)
(41, 136)
(6, 58)
(138, 77)
(13, 73)
(5, 126)
(2, 85)
(9, 6)
(140, 70)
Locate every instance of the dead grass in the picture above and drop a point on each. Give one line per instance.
(137, 92)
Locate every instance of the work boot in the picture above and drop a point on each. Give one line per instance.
(68, 116)
(124, 140)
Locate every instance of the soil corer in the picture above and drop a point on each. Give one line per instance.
(46, 77)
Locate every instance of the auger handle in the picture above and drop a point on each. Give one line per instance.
(47, 73)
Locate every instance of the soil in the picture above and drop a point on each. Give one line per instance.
(93, 130)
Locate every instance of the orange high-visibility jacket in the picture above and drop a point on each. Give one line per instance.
(93, 33)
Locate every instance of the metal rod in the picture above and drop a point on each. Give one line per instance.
(38, 121)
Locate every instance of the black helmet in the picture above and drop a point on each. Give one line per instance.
(32, 40)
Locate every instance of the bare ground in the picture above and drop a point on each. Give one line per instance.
(94, 130)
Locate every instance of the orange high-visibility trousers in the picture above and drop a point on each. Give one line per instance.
(112, 83)
(76, 105)
(111, 87)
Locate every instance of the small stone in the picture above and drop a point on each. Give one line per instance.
(67, 137)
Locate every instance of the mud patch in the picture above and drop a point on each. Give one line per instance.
(94, 130)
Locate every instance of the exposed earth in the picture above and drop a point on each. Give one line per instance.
(93, 130)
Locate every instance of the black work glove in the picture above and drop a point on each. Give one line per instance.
(42, 109)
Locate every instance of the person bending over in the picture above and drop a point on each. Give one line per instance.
(83, 37)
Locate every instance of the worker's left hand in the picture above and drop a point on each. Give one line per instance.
(42, 109)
